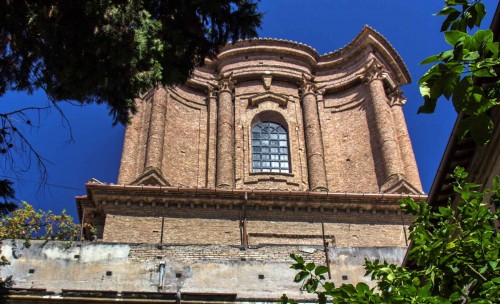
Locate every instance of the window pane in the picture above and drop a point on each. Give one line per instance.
(270, 148)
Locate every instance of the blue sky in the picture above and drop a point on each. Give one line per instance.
(325, 25)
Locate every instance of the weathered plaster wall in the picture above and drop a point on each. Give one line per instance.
(203, 269)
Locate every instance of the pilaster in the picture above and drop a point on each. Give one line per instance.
(396, 101)
(225, 134)
(128, 163)
(156, 134)
(312, 132)
(212, 136)
(391, 156)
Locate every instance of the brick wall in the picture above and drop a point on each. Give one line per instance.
(134, 229)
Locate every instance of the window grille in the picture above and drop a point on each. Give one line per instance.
(270, 148)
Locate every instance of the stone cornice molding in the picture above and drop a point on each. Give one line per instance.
(101, 195)
(256, 99)
(368, 40)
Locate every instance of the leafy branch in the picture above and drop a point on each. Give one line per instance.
(454, 257)
(467, 72)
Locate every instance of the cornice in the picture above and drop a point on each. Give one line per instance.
(369, 37)
(163, 193)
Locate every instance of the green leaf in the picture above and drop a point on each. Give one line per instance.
(446, 11)
(415, 281)
(329, 286)
(452, 37)
(459, 25)
(482, 71)
(449, 20)
(481, 12)
(482, 36)
(481, 129)
(431, 59)
(301, 276)
(459, 94)
(297, 258)
(320, 270)
(450, 245)
(471, 56)
(297, 266)
(310, 266)
(362, 287)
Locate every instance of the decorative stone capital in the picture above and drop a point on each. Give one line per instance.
(396, 98)
(307, 86)
(374, 71)
(320, 92)
(226, 84)
(213, 91)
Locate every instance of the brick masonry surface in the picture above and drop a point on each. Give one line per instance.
(346, 134)
(120, 228)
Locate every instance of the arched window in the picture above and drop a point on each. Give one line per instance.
(270, 148)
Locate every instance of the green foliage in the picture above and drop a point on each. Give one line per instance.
(104, 51)
(110, 51)
(454, 256)
(28, 223)
(466, 73)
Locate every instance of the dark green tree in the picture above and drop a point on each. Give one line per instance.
(110, 51)
(106, 51)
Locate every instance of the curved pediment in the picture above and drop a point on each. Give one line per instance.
(256, 99)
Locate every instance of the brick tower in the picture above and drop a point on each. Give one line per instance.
(272, 135)
(268, 149)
